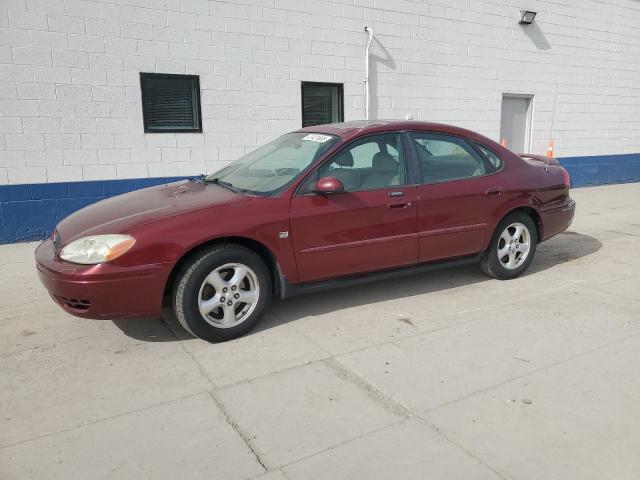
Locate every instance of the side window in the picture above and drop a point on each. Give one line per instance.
(492, 157)
(376, 161)
(445, 157)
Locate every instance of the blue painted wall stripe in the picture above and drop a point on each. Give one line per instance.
(30, 212)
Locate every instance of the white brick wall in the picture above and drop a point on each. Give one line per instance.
(70, 97)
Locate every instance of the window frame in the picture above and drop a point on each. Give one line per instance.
(409, 164)
(489, 170)
(196, 100)
(340, 86)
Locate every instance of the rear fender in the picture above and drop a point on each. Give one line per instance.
(524, 203)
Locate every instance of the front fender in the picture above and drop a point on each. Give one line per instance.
(169, 240)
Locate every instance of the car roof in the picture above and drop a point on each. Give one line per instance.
(361, 127)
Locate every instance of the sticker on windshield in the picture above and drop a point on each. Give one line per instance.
(316, 137)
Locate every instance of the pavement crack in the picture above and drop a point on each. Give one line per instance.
(437, 431)
(373, 392)
(246, 438)
(623, 233)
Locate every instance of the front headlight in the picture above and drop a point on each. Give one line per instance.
(96, 249)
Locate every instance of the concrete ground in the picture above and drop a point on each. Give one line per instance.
(443, 375)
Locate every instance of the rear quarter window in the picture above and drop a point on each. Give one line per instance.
(492, 157)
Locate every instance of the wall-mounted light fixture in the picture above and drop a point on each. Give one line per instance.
(527, 17)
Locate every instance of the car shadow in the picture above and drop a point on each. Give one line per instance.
(563, 248)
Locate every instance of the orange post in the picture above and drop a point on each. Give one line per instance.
(550, 149)
(503, 142)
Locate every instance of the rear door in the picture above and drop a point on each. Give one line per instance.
(458, 193)
(371, 226)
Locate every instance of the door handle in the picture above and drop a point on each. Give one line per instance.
(396, 206)
(396, 194)
(493, 191)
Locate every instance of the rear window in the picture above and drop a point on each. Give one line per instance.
(446, 157)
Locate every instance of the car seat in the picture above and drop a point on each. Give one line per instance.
(384, 172)
(349, 177)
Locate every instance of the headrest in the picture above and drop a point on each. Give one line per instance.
(344, 159)
(384, 163)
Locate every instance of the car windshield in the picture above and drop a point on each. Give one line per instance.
(275, 164)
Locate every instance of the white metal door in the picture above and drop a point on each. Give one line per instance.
(515, 123)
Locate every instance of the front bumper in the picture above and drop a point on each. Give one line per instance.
(103, 291)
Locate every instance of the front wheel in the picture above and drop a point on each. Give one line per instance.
(512, 247)
(222, 292)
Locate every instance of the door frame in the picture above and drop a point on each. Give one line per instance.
(410, 161)
(529, 123)
(419, 179)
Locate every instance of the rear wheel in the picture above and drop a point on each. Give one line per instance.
(222, 292)
(512, 247)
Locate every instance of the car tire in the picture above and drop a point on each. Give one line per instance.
(221, 293)
(506, 257)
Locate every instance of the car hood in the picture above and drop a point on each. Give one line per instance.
(120, 214)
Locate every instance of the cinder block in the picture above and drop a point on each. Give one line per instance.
(28, 20)
(19, 175)
(24, 141)
(138, 31)
(82, 8)
(98, 172)
(113, 156)
(68, 58)
(123, 13)
(196, 6)
(65, 23)
(151, 17)
(73, 92)
(97, 140)
(15, 37)
(86, 43)
(49, 40)
(57, 141)
(11, 125)
(112, 125)
(135, 170)
(41, 125)
(153, 48)
(80, 157)
(102, 28)
(48, 158)
(12, 158)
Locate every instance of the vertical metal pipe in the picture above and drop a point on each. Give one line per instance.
(366, 73)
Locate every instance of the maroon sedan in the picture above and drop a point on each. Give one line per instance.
(325, 206)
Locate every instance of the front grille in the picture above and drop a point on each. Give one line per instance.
(76, 304)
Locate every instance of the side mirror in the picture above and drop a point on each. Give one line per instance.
(328, 185)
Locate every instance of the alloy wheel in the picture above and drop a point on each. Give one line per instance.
(228, 295)
(514, 246)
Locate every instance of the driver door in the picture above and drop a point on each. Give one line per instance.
(371, 226)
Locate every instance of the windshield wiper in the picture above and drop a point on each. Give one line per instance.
(222, 183)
